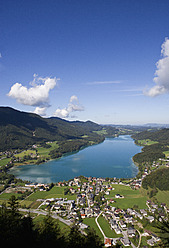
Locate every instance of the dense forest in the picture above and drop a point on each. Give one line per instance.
(17, 229)
(152, 152)
(161, 136)
(157, 179)
(71, 146)
(22, 130)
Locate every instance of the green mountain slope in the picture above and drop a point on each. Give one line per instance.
(20, 129)
(157, 179)
(161, 136)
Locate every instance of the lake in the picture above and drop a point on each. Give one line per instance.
(112, 158)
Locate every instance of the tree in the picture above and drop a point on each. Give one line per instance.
(93, 240)
(49, 232)
(14, 205)
(15, 229)
(75, 238)
(163, 232)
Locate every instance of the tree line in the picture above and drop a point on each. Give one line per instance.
(157, 179)
(19, 230)
(72, 146)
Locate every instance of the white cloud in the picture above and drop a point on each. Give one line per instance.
(161, 78)
(40, 111)
(73, 106)
(0, 55)
(73, 98)
(37, 95)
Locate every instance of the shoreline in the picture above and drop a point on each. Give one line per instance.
(134, 174)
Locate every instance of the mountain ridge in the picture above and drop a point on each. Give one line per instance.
(19, 129)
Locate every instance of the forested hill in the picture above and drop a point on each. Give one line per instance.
(157, 179)
(21, 129)
(158, 144)
(161, 136)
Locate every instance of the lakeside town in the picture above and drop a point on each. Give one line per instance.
(82, 199)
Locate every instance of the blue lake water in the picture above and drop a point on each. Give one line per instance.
(112, 158)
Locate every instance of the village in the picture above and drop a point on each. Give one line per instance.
(91, 198)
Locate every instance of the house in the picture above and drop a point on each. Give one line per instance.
(113, 224)
(83, 216)
(155, 237)
(150, 242)
(130, 211)
(116, 216)
(143, 212)
(153, 240)
(125, 241)
(138, 215)
(146, 233)
(128, 218)
(113, 208)
(150, 218)
(107, 242)
(131, 232)
(118, 230)
(154, 206)
(122, 224)
(72, 190)
(119, 196)
(83, 226)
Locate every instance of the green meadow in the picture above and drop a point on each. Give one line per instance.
(91, 222)
(43, 152)
(106, 228)
(25, 153)
(31, 200)
(163, 196)
(146, 142)
(131, 197)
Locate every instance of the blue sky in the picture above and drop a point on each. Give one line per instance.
(105, 61)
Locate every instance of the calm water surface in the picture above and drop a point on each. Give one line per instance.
(112, 158)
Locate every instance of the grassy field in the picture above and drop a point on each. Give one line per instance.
(55, 192)
(27, 152)
(131, 197)
(91, 222)
(31, 200)
(163, 196)
(166, 153)
(147, 142)
(4, 161)
(43, 152)
(101, 132)
(106, 228)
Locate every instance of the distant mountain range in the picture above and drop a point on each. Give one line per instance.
(21, 129)
(157, 125)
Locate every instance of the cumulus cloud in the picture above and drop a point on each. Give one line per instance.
(40, 111)
(161, 78)
(73, 106)
(37, 95)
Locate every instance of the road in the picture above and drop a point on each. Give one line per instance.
(55, 216)
(99, 225)
(139, 238)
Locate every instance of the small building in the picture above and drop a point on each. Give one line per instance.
(131, 232)
(107, 242)
(125, 241)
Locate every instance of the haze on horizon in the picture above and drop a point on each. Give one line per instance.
(104, 61)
